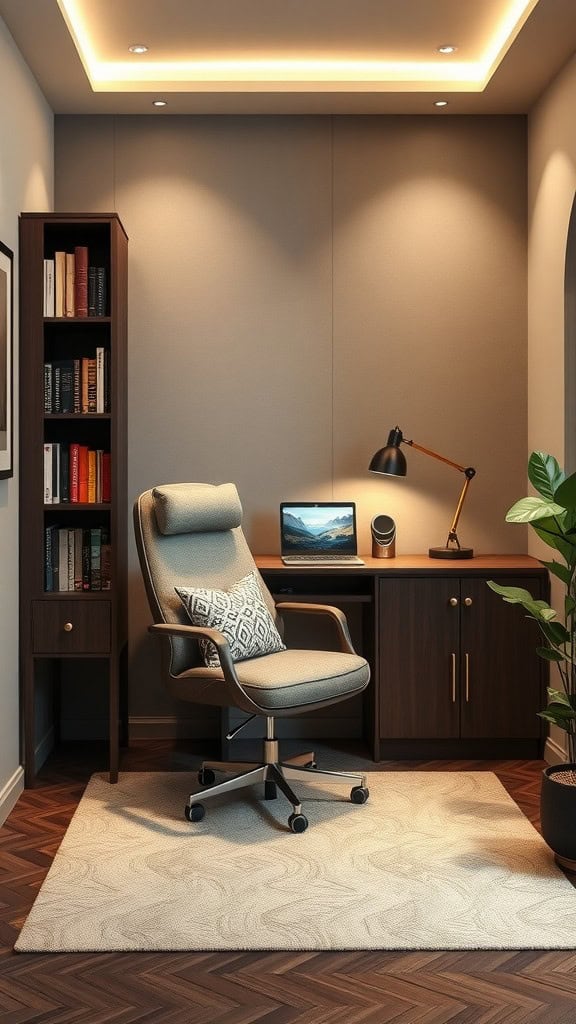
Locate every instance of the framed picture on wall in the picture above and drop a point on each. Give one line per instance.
(6, 375)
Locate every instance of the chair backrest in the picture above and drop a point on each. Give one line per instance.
(190, 535)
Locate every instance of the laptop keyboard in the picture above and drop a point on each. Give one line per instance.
(322, 560)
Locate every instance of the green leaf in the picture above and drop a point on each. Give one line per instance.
(553, 533)
(569, 606)
(555, 633)
(562, 721)
(529, 510)
(561, 571)
(549, 655)
(544, 473)
(558, 697)
(565, 494)
(538, 609)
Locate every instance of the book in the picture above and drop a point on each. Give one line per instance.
(74, 467)
(100, 379)
(77, 386)
(81, 280)
(65, 472)
(50, 544)
(63, 385)
(78, 537)
(91, 291)
(69, 291)
(62, 558)
(55, 473)
(85, 559)
(71, 544)
(91, 475)
(49, 287)
(48, 387)
(100, 291)
(95, 565)
(47, 474)
(59, 282)
(105, 562)
(82, 473)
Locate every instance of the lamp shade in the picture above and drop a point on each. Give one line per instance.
(390, 460)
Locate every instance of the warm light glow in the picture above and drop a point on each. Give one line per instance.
(229, 74)
(440, 103)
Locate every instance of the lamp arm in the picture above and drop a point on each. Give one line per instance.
(435, 455)
(469, 473)
(452, 535)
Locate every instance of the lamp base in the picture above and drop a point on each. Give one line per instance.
(451, 552)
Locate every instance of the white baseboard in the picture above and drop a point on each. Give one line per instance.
(10, 792)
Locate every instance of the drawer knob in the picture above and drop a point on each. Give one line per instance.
(453, 602)
(68, 627)
(467, 601)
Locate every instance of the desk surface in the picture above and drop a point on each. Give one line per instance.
(412, 563)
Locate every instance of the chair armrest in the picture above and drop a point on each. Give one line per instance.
(185, 632)
(336, 614)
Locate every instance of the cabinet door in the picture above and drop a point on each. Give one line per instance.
(419, 638)
(501, 674)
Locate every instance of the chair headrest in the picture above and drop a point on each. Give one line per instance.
(196, 508)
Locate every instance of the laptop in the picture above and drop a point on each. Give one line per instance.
(318, 533)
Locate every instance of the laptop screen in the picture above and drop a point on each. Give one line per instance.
(318, 528)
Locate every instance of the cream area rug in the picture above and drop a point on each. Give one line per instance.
(434, 860)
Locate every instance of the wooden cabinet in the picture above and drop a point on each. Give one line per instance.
(458, 674)
(454, 668)
(73, 605)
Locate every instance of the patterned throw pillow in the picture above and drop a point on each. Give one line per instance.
(239, 613)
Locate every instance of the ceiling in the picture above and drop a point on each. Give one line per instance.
(292, 56)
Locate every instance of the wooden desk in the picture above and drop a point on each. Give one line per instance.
(454, 668)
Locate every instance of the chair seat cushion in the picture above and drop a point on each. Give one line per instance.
(294, 681)
(239, 613)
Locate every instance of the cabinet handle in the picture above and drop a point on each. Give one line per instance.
(453, 602)
(468, 601)
(453, 656)
(68, 627)
(467, 676)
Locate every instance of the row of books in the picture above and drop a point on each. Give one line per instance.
(75, 473)
(72, 287)
(77, 559)
(78, 385)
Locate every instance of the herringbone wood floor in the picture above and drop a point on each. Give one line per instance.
(255, 988)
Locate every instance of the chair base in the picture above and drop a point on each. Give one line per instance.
(274, 774)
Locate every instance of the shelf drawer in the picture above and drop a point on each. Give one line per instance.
(71, 627)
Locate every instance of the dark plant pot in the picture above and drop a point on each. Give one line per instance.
(558, 812)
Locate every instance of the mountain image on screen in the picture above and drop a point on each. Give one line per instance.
(334, 534)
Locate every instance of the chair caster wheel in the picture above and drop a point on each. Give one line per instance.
(298, 823)
(270, 792)
(206, 777)
(359, 795)
(194, 812)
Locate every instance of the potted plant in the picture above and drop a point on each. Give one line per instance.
(552, 514)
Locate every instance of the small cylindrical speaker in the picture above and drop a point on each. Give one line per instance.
(383, 530)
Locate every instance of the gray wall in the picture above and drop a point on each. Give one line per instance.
(26, 182)
(297, 287)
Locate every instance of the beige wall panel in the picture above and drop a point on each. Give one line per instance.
(253, 359)
(430, 320)
(26, 183)
(84, 156)
(551, 394)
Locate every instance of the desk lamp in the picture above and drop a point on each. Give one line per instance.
(391, 462)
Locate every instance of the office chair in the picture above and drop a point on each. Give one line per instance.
(189, 536)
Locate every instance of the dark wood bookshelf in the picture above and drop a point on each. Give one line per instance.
(63, 624)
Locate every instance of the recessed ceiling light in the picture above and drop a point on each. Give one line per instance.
(158, 103)
(440, 103)
(138, 48)
(446, 48)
